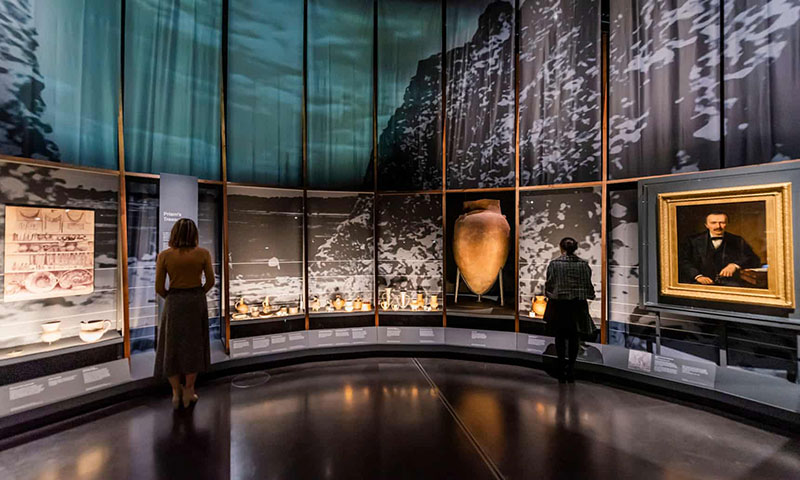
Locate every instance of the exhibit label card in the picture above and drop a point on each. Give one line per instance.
(49, 252)
(42, 391)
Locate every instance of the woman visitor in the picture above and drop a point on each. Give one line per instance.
(183, 345)
(568, 287)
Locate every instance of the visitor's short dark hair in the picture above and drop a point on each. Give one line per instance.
(184, 234)
(568, 244)
(716, 213)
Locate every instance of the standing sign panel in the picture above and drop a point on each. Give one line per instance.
(177, 199)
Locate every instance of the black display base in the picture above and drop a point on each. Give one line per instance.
(480, 323)
(62, 361)
(531, 326)
(408, 319)
(320, 321)
(254, 328)
(484, 315)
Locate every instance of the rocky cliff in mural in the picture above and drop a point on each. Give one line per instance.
(22, 131)
(480, 113)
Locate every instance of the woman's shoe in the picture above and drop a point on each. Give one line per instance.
(189, 398)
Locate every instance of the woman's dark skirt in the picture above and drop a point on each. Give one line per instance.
(568, 317)
(183, 344)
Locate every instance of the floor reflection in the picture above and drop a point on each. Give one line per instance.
(383, 418)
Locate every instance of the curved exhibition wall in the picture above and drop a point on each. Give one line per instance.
(330, 148)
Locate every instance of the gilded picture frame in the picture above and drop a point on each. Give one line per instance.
(776, 289)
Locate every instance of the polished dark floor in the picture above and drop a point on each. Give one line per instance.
(406, 418)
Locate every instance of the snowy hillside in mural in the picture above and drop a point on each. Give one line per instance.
(544, 220)
(410, 243)
(559, 98)
(265, 229)
(340, 242)
(664, 110)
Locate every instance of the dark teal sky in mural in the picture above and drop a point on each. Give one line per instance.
(340, 34)
(265, 91)
(59, 80)
(172, 85)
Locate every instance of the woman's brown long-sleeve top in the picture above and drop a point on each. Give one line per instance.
(184, 267)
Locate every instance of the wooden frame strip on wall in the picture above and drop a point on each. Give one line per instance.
(604, 191)
(516, 166)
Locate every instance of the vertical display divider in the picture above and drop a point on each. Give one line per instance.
(604, 190)
(225, 290)
(516, 165)
(304, 142)
(375, 157)
(444, 162)
(123, 200)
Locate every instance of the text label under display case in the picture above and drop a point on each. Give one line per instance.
(411, 335)
(266, 344)
(463, 337)
(41, 391)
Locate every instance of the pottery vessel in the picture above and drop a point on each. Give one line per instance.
(265, 306)
(241, 307)
(366, 306)
(50, 327)
(434, 302)
(338, 303)
(93, 330)
(539, 305)
(357, 304)
(480, 243)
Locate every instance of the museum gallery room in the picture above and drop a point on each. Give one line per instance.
(340, 239)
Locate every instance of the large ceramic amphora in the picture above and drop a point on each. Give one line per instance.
(480, 243)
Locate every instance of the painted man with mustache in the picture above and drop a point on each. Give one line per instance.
(715, 257)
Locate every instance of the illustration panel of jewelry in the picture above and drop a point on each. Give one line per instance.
(341, 252)
(58, 259)
(49, 253)
(410, 253)
(546, 218)
(265, 231)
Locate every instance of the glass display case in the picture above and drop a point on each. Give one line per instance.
(544, 219)
(265, 229)
(410, 258)
(341, 255)
(61, 283)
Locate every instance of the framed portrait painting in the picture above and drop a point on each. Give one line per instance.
(728, 245)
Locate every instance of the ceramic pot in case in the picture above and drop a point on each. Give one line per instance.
(480, 243)
(93, 330)
(338, 303)
(539, 305)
